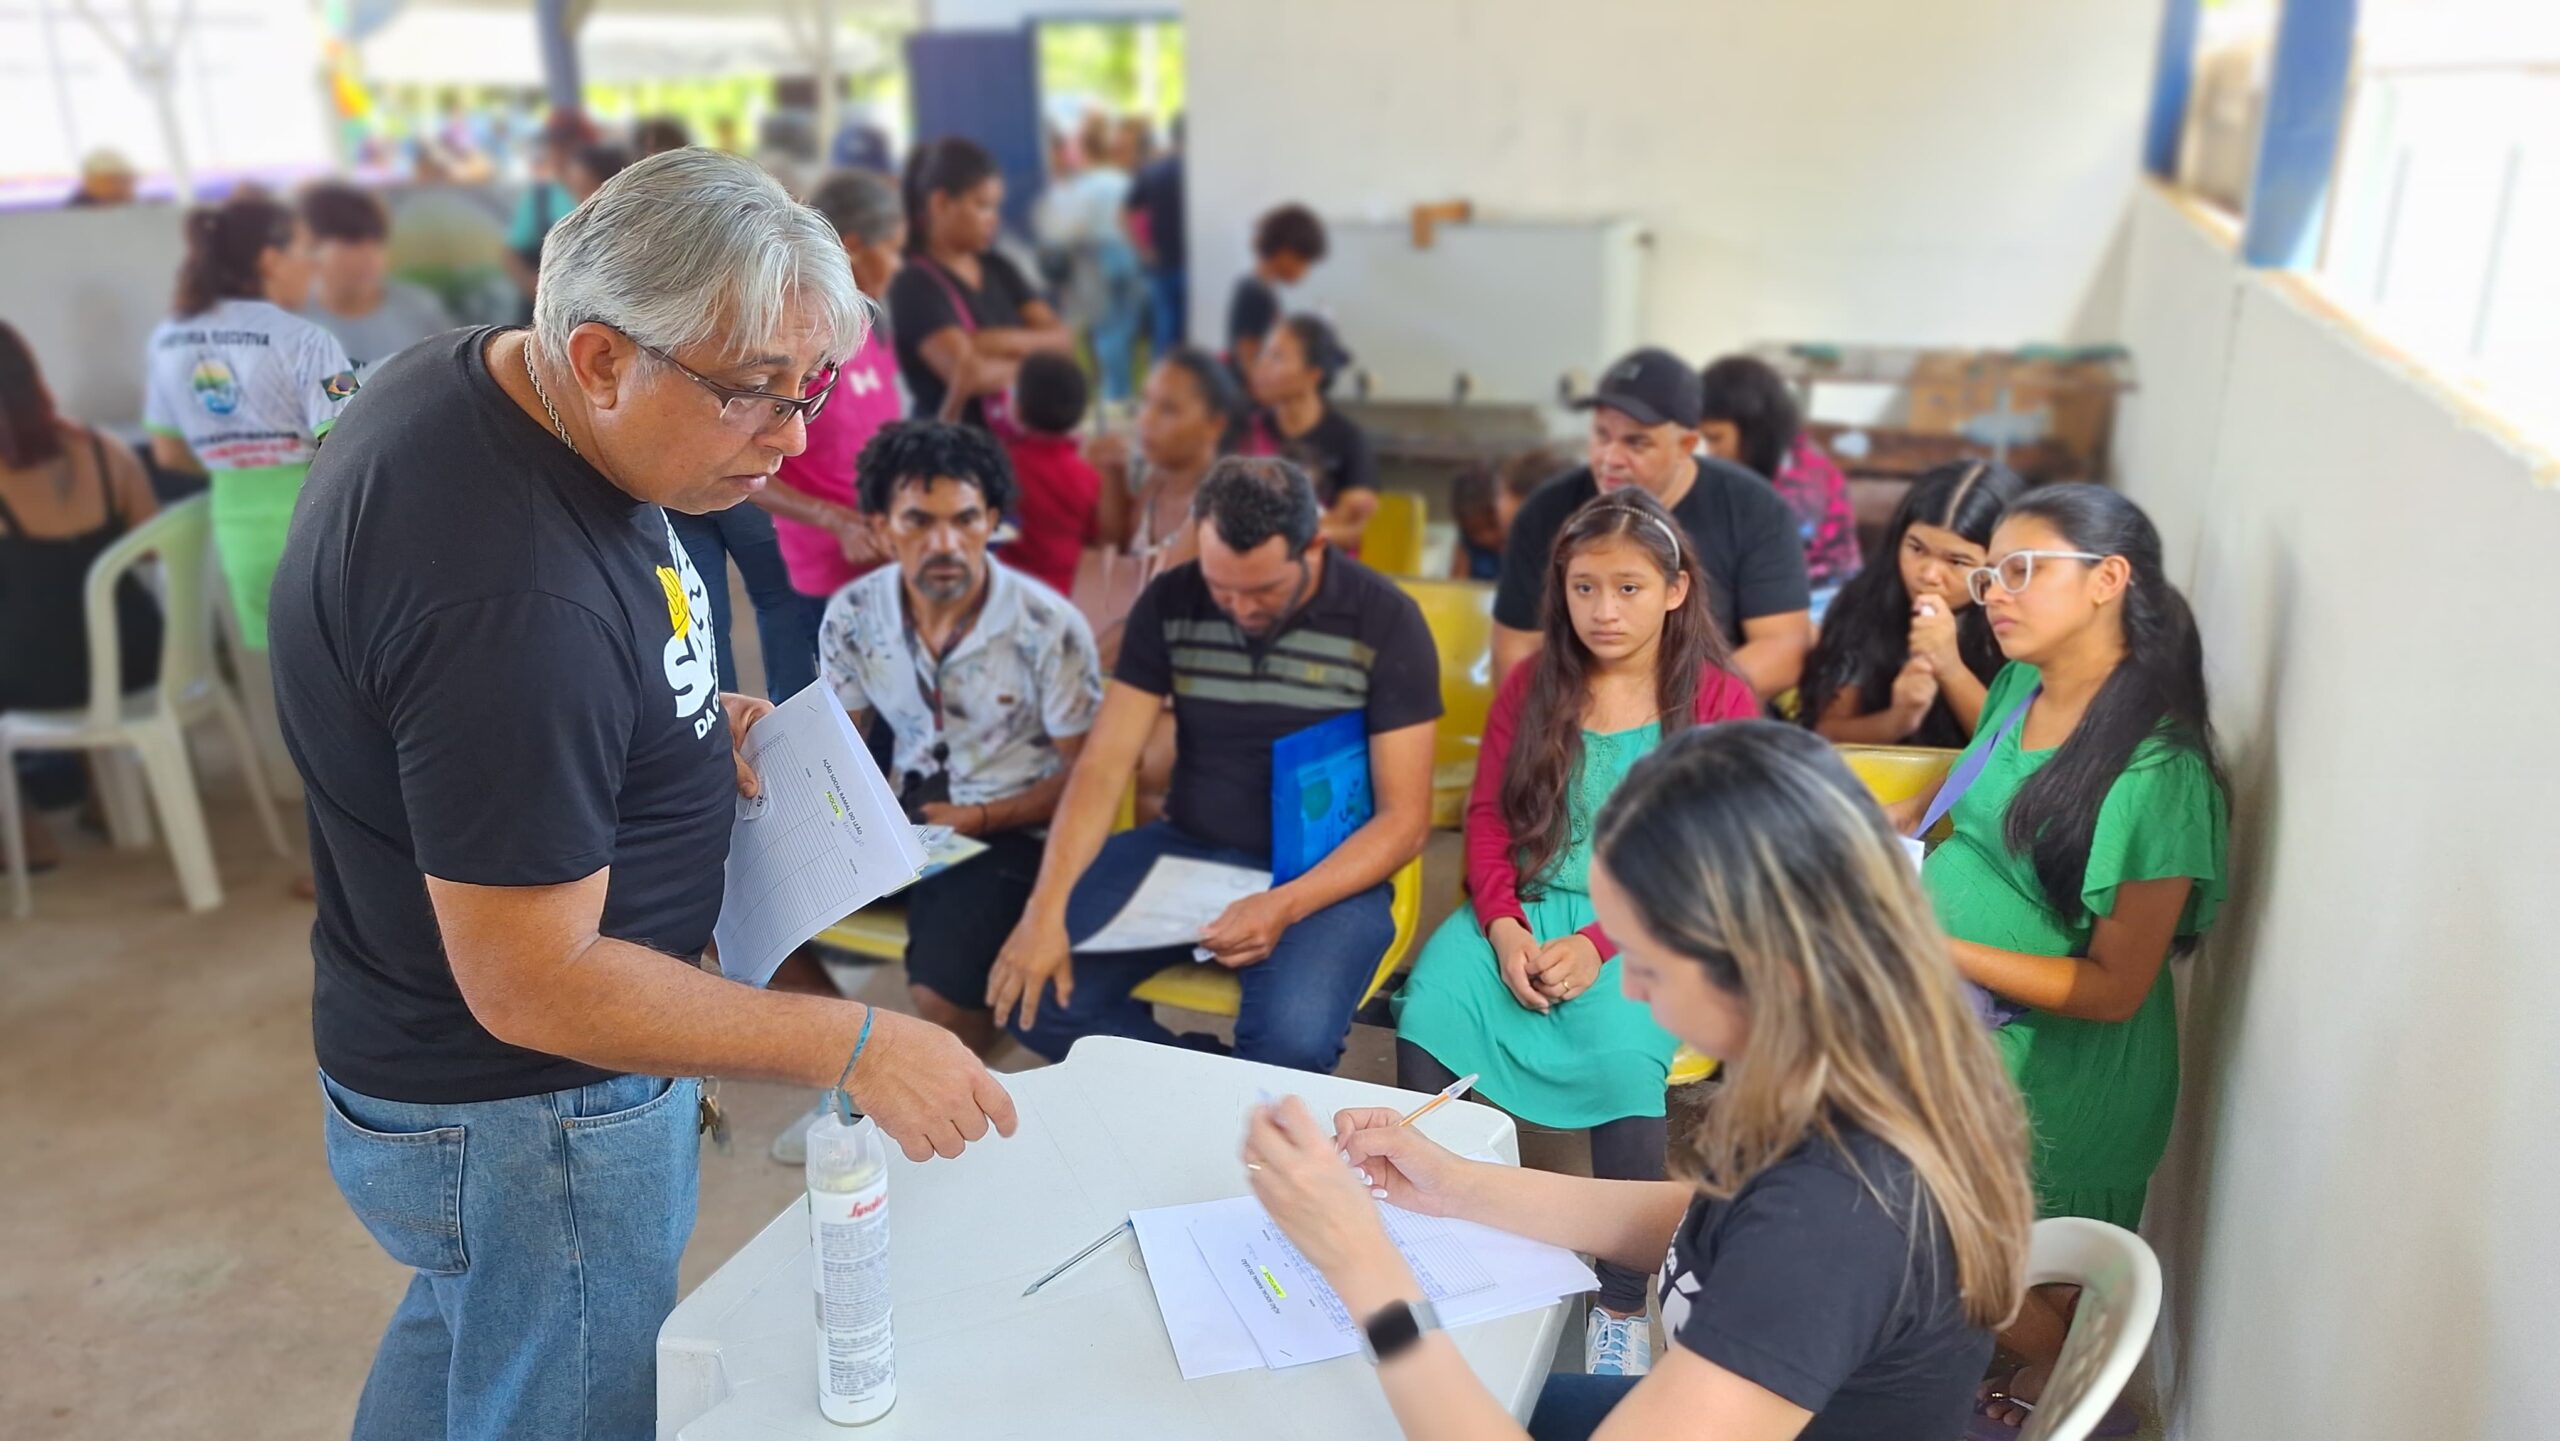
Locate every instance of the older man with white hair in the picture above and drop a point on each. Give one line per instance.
(495, 671)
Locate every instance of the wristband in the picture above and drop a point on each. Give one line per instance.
(838, 1099)
(1396, 1328)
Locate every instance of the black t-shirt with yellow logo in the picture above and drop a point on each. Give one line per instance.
(493, 667)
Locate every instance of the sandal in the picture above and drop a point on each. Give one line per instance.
(2121, 1418)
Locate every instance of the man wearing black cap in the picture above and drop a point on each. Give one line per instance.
(1644, 432)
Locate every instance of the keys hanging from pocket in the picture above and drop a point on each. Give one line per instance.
(715, 1120)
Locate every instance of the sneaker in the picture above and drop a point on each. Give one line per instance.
(791, 1148)
(1617, 1346)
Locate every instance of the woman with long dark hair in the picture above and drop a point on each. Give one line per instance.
(961, 314)
(1292, 383)
(1751, 417)
(240, 389)
(1520, 985)
(67, 492)
(2090, 845)
(1187, 412)
(1851, 1218)
(1905, 656)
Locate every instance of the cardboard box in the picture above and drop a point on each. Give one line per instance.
(1988, 395)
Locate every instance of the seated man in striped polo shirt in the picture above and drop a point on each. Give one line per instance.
(1267, 633)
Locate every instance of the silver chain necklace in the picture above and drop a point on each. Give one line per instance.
(544, 396)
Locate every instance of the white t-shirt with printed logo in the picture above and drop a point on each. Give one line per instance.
(247, 385)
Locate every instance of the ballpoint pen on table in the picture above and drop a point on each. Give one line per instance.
(1096, 1244)
(1455, 1089)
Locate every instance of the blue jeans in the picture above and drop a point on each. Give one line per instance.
(786, 620)
(1297, 1002)
(1573, 1405)
(1115, 330)
(1169, 306)
(543, 1233)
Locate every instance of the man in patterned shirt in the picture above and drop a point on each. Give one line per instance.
(987, 679)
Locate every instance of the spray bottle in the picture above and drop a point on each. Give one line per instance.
(848, 1170)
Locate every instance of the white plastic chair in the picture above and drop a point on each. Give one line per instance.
(2119, 1283)
(152, 723)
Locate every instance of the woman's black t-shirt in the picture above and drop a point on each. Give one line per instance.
(1808, 1286)
(921, 306)
(1334, 452)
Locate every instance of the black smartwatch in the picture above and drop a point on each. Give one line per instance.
(1395, 1328)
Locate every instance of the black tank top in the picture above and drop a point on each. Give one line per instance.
(44, 640)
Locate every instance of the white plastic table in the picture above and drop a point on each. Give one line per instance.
(1119, 1125)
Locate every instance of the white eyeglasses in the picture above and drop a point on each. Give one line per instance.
(2016, 571)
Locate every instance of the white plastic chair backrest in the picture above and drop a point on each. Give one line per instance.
(2119, 1281)
(182, 536)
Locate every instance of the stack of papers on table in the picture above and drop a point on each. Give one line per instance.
(1235, 1294)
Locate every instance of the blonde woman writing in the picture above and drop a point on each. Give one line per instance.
(1854, 1222)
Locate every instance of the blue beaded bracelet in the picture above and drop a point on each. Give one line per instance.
(838, 1099)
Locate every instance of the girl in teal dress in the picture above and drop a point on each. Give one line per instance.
(2091, 844)
(1520, 986)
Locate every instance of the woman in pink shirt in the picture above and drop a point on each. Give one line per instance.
(825, 541)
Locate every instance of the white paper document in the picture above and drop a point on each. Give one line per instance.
(824, 839)
(1235, 1294)
(1178, 898)
(945, 848)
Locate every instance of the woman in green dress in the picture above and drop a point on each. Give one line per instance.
(1520, 986)
(2088, 848)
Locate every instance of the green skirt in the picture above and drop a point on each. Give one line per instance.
(2101, 1096)
(252, 510)
(1598, 1057)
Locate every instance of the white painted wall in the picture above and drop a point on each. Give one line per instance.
(1952, 172)
(85, 287)
(2358, 1214)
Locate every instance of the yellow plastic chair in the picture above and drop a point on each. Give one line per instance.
(1460, 614)
(1687, 1066)
(1391, 544)
(1891, 773)
(878, 930)
(1211, 989)
(1897, 773)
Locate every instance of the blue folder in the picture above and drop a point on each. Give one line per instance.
(1319, 792)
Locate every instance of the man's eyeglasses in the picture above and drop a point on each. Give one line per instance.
(2016, 571)
(755, 412)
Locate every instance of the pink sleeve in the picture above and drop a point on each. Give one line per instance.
(1599, 940)
(1493, 872)
(1724, 696)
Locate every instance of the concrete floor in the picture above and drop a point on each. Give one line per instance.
(181, 1263)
